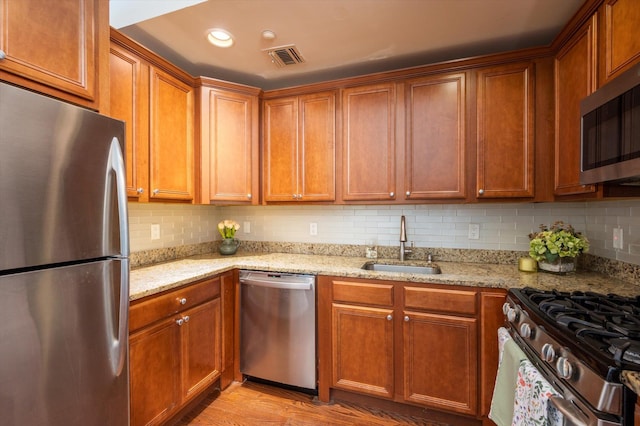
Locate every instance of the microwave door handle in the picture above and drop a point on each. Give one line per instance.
(570, 414)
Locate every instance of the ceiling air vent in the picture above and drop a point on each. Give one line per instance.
(285, 55)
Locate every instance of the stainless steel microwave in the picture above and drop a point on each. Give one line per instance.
(610, 132)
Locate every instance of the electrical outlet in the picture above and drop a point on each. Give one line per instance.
(617, 238)
(313, 228)
(246, 227)
(474, 231)
(155, 231)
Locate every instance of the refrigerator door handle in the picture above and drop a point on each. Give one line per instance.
(116, 167)
(122, 342)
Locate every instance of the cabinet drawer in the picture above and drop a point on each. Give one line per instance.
(454, 301)
(355, 292)
(154, 308)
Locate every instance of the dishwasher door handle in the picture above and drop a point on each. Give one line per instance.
(279, 284)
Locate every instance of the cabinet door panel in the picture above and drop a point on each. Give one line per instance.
(229, 165)
(317, 148)
(438, 374)
(128, 78)
(369, 157)
(436, 140)
(575, 78)
(506, 131)
(33, 30)
(201, 346)
(154, 361)
(171, 139)
(280, 149)
(363, 332)
(491, 318)
(620, 35)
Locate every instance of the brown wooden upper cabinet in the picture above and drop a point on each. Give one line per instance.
(55, 47)
(369, 143)
(505, 131)
(435, 145)
(299, 148)
(575, 78)
(229, 145)
(158, 108)
(619, 20)
(171, 139)
(129, 102)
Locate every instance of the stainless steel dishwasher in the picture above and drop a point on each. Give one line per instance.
(278, 327)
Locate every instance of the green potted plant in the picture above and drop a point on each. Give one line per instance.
(556, 247)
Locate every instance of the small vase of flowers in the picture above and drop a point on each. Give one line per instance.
(556, 247)
(227, 229)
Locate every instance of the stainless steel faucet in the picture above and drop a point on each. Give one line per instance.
(403, 239)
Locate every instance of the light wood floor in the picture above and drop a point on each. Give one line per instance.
(251, 403)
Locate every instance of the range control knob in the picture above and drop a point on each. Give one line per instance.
(564, 368)
(526, 331)
(505, 308)
(512, 315)
(548, 353)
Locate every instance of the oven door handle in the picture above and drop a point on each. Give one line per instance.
(571, 415)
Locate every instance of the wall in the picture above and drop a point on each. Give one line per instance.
(503, 226)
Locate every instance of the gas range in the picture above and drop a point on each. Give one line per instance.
(581, 342)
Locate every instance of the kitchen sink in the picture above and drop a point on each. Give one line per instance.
(408, 269)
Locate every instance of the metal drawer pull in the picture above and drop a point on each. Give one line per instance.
(179, 321)
(389, 317)
(182, 301)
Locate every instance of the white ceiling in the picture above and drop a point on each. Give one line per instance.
(339, 38)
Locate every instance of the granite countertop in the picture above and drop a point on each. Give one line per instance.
(632, 380)
(153, 279)
(146, 281)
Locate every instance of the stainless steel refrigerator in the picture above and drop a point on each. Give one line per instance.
(64, 268)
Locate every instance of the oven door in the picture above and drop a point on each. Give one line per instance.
(573, 410)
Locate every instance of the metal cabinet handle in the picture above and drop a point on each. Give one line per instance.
(156, 191)
(408, 193)
(481, 191)
(391, 194)
(186, 318)
(140, 190)
(249, 196)
(389, 317)
(182, 301)
(406, 318)
(179, 321)
(2, 54)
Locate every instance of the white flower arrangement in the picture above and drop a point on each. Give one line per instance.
(228, 228)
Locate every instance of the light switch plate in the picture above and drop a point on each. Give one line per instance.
(617, 238)
(246, 227)
(313, 228)
(474, 231)
(155, 231)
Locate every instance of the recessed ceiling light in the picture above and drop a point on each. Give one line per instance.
(219, 37)
(268, 35)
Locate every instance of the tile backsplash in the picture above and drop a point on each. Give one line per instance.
(502, 226)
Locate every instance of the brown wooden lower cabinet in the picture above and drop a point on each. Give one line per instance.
(407, 342)
(174, 349)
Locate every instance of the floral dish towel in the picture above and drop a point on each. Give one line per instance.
(531, 405)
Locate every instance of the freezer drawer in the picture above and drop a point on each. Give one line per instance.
(278, 328)
(63, 346)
